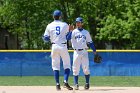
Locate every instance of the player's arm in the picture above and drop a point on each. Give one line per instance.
(92, 46)
(46, 36)
(69, 34)
(90, 43)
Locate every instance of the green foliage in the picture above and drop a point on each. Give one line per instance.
(107, 20)
(122, 25)
(28, 19)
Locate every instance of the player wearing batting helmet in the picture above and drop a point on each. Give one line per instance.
(79, 39)
(56, 32)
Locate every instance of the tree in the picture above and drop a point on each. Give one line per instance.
(114, 21)
(121, 25)
(28, 19)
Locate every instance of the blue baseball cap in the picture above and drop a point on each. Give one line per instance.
(57, 13)
(79, 19)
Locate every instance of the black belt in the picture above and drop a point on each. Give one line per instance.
(79, 49)
(60, 43)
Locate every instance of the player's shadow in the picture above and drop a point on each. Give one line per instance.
(101, 89)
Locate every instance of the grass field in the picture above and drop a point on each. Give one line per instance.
(113, 81)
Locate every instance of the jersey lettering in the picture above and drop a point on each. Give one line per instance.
(80, 36)
(57, 30)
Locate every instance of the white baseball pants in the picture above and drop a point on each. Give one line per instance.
(60, 51)
(80, 58)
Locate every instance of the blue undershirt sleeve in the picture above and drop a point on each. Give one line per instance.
(68, 36)
(92, 46)
(46, 38)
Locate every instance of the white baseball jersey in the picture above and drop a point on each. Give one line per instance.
(57, 31)
(79, 39)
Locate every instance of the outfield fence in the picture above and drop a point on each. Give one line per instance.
(38, 63)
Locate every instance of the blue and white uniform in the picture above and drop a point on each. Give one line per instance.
(56, 31)
(79, 40)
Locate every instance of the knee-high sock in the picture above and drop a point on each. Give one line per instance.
(66, 75)
(75, 80)
(56, 76)
(87, 77)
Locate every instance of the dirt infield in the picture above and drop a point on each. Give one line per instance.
(51, 89)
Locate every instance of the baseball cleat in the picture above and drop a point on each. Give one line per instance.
(76, 87)
(58, 87)
(66, 85)
(86, 86)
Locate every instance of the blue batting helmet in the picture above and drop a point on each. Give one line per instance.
(57, 13)
(79, 19)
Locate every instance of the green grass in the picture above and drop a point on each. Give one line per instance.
(114, 81)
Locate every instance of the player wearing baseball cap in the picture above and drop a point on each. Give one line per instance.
(57, 13)
(79, 39)
(56, 32)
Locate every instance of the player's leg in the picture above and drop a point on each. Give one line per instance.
(76, 68)
(85, 66)
(56, 65)
(56, 77)
(67, 66)
(66, 75)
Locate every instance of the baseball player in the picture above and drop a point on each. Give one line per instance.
(56, 32)
(79, 39)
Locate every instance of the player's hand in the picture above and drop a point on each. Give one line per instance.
(71, 27)
(97, 58)
(94, 53)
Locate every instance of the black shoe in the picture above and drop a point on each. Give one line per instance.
(76, 87)
(86, 86)
(58, 87)
(66, 85)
